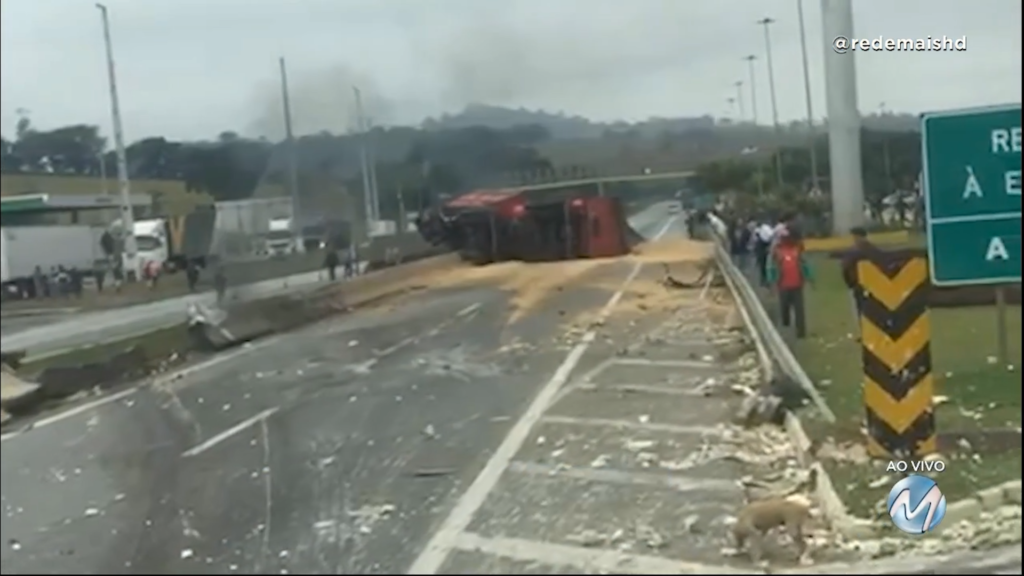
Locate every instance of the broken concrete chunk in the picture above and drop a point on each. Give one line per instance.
(760, 409)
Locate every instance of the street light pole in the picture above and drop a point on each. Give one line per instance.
(767, 22)
(364, 161)
(753, 86)
(753, 105)
(739, 100)
(293, 159)
(815, 184)
(127, 216)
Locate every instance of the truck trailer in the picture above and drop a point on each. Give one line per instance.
(488, 226)
(48, 248)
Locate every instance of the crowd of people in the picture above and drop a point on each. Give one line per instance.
(772, 252)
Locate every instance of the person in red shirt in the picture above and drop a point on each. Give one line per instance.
(788, 272)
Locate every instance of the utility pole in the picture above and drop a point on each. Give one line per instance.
(364, 161)
(886, 156)
(811, 133)
(293, 160)
(846, 180)
(753, 104)
(131, 250)
(767, 22)
(739, 100)
(371, 155)
(103, 173)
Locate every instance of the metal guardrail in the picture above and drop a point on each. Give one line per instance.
(740, 285)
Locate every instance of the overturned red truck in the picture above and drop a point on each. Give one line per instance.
(486, 226)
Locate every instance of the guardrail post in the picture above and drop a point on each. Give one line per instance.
(895, 331)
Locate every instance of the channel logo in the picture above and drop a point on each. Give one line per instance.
(916, 505)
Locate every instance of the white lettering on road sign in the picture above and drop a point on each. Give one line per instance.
(973, 187)
(1006, 141)
(997, 250)
(1012, 179)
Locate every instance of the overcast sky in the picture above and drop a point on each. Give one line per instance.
(194, 68)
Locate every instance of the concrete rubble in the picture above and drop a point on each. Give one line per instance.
(15, 393)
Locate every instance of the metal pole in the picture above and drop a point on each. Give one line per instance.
(371, 156)
(753, 105)
(739, 100)
(844, 122)
(103, 173)
(127, 216)
(887, 158)
(364, 161)
(293, 160)
(815, 183)
(753, 86)
(767, 22)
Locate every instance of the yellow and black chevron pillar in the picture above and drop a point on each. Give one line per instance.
(895, 339)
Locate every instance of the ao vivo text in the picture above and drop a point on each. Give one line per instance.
(918, 466)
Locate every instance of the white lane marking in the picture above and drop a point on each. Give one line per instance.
(643, 389)
(663, 363)
(707, 285)
(468, 310)
(227, 434)
(161, 380)
(625, 478)
(584, 560)
(88, 406)
(446, 538)
(631, 425)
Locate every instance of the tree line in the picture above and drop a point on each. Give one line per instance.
(230, 167)
(891, 166)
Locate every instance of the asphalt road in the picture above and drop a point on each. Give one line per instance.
(336, 449)
(14, 324)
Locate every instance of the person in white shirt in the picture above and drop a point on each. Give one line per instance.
(764, 235)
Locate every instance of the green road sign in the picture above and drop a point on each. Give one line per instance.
(971, 184)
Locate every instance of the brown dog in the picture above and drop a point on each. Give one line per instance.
(760, 517)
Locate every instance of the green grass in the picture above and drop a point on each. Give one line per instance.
(983, 395)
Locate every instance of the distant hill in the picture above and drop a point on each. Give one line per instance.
(559, 126)
(565, 127)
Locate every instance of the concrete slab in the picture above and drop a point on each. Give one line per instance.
(637, 451)
(482, 563)
(640, 408)
(14, 390)
(667, 376)
(672, 523)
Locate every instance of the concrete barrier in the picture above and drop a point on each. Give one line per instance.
(218, 329)
(15, 393)
(60, 382)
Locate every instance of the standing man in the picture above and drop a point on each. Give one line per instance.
(862, 248)
(789, 273)
(739, 242)
(220, 282)
(331, 263)
(764, 234)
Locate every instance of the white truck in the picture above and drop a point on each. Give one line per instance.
(151, 242)
(47, 247)
(281, 240)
